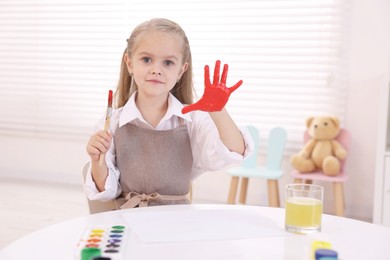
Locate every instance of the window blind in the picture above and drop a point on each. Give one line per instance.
(59, 58)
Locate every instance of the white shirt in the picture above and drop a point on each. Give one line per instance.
(208, 151)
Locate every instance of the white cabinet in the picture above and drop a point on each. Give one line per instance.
(382, 172)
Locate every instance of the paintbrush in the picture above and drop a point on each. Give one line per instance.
(107, 123)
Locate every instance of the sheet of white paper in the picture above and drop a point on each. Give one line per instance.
(200, 225)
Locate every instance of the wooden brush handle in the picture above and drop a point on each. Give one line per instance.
(106, 126)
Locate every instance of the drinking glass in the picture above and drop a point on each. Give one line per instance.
(303, 207)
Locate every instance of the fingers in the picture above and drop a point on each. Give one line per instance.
(216, 76)
(224, 74)
(216, 72)
(207, 76)
(236, 86)
(98, 143)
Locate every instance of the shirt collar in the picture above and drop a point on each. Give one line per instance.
(130, 111)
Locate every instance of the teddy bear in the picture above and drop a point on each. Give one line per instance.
(322, 151)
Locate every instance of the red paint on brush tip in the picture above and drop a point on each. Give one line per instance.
(110, 98)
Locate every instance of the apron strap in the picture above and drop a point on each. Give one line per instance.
(134, 199)
(181, 121)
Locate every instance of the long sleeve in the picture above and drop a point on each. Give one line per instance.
(209, 153)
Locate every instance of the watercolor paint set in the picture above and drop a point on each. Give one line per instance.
(102, 243)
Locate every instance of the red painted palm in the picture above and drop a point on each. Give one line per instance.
(215, 95)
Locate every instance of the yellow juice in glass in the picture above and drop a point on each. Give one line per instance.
(303, 214)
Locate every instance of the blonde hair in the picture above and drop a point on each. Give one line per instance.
(183, 89)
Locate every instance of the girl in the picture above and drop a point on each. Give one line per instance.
(152, 150)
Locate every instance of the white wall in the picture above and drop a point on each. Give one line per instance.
(42, 158)
(62, 160)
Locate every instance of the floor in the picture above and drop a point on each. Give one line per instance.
(28, 205)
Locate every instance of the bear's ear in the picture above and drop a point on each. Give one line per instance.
(335, 121)
(308, 121)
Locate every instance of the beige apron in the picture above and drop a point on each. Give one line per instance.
(155, 166)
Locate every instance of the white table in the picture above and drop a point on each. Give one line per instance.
(350, 238)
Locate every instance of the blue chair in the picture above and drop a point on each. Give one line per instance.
(271, 171)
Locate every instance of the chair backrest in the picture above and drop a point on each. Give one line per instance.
(275, 149)
(251, 161)
(344, 138)
(96, 206)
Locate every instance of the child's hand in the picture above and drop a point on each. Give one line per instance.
(98, 143)
(215, 95)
